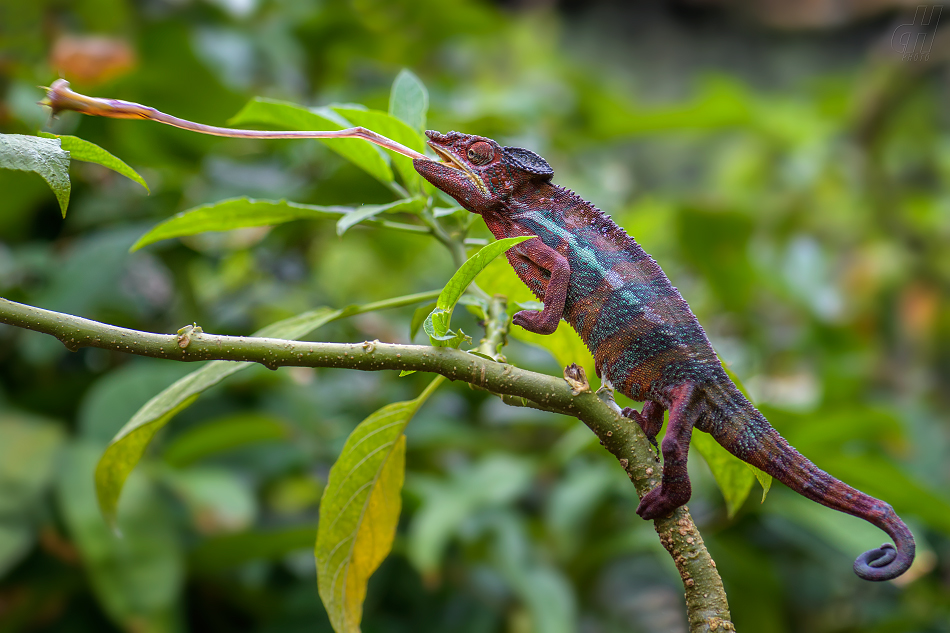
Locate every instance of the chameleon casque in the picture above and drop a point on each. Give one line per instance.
(644, 338)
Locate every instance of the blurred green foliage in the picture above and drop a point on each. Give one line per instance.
(804, 215)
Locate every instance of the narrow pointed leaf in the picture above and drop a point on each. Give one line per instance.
(370, 211)
(409, 100)
(43, 156)
(81, 149)
(360, 509)
(238, 213)
(291, 116)
(732, 475)
(437, 323)
(764, 479)
(475, 264)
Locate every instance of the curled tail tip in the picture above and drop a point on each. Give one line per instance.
(884, 562)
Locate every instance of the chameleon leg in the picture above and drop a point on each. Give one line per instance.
(544, 257)
(650, 419)
(675, 489)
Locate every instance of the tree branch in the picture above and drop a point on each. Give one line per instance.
(707, 607)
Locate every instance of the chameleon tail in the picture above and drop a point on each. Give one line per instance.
(745, 433)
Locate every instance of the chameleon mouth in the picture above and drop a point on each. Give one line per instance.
(449, 160)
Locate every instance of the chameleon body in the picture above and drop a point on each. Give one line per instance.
(644, 338)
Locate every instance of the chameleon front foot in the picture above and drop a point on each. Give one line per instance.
(536, 321)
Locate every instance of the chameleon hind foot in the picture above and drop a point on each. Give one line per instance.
(650, 420)
(661, 502)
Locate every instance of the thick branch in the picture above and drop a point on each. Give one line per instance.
(706, 602)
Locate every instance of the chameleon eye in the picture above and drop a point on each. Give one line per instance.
(480, 153)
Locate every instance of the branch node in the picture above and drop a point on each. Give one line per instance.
(370, 346)
(185, 334)
(576, 378)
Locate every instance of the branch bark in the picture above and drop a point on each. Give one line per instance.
(707, 606)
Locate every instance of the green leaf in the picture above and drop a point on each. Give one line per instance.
(393, 128)
(764, 479)
(80, 149)
(16, 541)
(233, 550)
(125, 451)
(219, 500)
(129, 444)
(43, 156)
(137, 579)
(223, 434)
(369, 211)
(446, 505)
(237, 213)
(28, 460)
(291, 116)
(418, 317)
(732, 475)
(437, 324)
(360, 509)
(409, 100)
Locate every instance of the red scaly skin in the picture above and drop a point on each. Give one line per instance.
(644, 338)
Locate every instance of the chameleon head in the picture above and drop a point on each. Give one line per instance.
(477, 171)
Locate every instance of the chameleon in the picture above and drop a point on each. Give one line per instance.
(645, 340)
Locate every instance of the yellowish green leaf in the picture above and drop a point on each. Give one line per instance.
(764, 479)
(360, 509)
(732, 474)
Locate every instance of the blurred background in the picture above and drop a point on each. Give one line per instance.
(786, 162)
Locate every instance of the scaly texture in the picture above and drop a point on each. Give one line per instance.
(645, 340)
